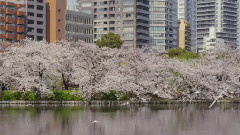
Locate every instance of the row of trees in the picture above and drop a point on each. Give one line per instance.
(31, 65)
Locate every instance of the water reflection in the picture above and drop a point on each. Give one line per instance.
(181, 119)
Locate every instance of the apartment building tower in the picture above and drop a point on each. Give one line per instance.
(56, 20)
(36, 19)
(184, 35)
(221, 14)
(187, 11)
(11, 21)
(79, 26)
(128, 18)
(163, 24)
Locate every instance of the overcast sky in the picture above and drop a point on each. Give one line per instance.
(71, 4)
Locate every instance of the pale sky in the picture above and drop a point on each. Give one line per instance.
(71, 4)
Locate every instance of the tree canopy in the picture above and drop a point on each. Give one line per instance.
(110, 40)
(39, 66)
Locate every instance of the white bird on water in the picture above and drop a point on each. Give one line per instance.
(95, 121)
(29, 105)
(127, 103)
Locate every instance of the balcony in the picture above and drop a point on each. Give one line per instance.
(20, 29)
(10, 36)
(2, 3)
(20, 13)
(2, 11)
(2, 19)
(10, 11)
(1, 35)
(20, 5)
(20, 37)
(20, 21)
(2, 27)
(10, 20)
(10, 28)
(10, 4)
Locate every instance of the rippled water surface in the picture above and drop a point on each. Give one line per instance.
(192, 119)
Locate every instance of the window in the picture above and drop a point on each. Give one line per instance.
(128, 9)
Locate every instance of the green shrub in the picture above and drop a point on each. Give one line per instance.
(182, 54)
(175, 52)
(64, 95)
(111, 95)
(47, 95)
(188, 55)
(10, 95)
(77, 95)
(123, 97)
(29, 96)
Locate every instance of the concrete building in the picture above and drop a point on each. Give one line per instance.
(184, 35)
(187, 11)
(36, 20)
(128, 18)
(212, 41)
(79, 26)
(163, 24)
(56, 20)
(221, 14)
(11, 21)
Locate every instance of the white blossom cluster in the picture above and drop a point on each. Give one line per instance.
(38, 65)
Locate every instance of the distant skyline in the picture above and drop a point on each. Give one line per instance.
(71, 4)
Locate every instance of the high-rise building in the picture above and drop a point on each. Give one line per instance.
(163, 24)
(36, 20)
(187, 11)
(11, 21)
(79, 26)
(184, 35)
(221, 14)
(56, 19)
(128, 18)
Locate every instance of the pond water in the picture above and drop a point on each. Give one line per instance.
(184, 119)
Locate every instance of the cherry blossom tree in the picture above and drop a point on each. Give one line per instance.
(143, 72)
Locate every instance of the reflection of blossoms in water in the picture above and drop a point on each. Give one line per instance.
(43, 66)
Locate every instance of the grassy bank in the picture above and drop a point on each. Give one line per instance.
(78, 97)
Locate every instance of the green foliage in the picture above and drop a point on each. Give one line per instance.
(111, 95)
(63, 95)
(29, 96)
(189, 55)
(10, 95)
(175, 52)
(123, 97)
(110, 40)
(182, 54)
(47, 95)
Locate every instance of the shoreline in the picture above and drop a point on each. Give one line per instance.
(106, 102)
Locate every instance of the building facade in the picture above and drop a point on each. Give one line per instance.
(163, 24)
(187, 11)
(221, 14)
(184, 35)
(79, 26)
(212, 41)
(128, 18)
(55, 20)
(36, 20)
(11, 21)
